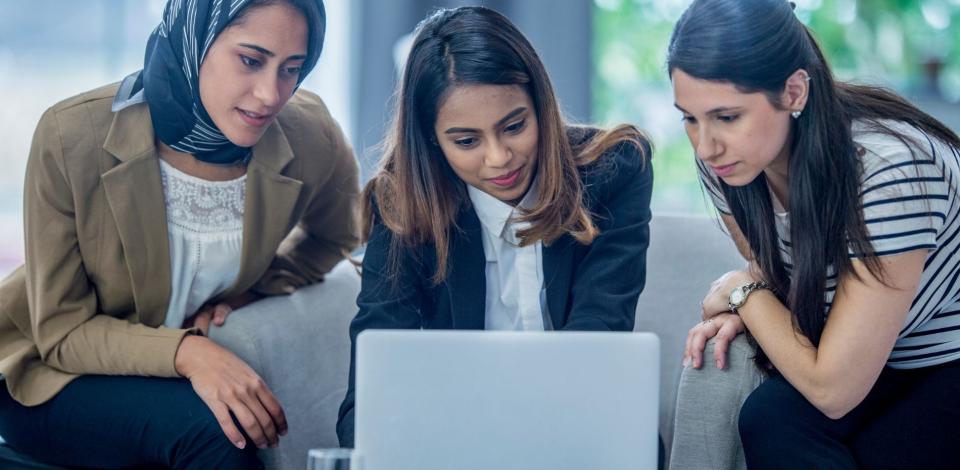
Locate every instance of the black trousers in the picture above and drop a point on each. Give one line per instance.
(910, 419)
(122, 422)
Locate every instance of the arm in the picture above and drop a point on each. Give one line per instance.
(327, 232)
(743, 246)
(70, 332)
(610, 277)
(857, 339)
(385, 301)
(73, 335)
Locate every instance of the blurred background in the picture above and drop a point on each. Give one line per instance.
(605, 58)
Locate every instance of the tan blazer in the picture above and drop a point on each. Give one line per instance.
(93, 294)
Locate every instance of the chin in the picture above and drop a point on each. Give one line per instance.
(243, 139)
(739, 180)
(512, 194)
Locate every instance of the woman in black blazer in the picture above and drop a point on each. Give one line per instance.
(489, 212)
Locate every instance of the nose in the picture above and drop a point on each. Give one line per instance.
(498, 155)
(706, 146)
(266, 89)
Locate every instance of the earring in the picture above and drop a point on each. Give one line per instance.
(795, 114)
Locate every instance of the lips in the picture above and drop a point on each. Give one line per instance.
(254, 119)
(507, 180)
(723, 170)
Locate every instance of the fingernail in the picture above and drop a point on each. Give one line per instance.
(686, 361)
(240, 444)
(719, 365)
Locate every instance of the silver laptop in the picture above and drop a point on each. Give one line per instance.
(442, 400)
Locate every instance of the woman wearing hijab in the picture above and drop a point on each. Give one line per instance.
(152, 209)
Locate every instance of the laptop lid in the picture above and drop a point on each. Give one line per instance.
(432, 400)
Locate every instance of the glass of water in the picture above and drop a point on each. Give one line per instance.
(333, 459)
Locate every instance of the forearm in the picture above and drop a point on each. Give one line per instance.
(822, 383)
(110, 346)
(325, 236)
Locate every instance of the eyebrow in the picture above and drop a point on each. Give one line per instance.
(270, 53)
(714, 111)
(503, 120)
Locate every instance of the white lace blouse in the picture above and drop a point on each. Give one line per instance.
(205, 230)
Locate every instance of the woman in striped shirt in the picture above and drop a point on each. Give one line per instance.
(843, 199)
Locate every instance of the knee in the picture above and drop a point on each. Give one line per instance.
(203, 444)
(766, 410)
(738, 378)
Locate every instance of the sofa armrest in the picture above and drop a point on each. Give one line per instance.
(300, 346)
(686, 254)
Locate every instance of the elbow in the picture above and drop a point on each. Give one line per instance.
(833, 403)
(835, 411)
(52, 356)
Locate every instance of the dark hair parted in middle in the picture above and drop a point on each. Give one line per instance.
(756, 45)
(416, 191)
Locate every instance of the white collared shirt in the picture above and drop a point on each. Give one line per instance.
(514, 274)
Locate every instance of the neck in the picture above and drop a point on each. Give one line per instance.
(186, 163)
(778, 176)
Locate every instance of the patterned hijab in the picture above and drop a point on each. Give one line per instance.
(170, 79)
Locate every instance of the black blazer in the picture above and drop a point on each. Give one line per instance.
(588, 287)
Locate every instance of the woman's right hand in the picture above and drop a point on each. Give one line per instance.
(725, 327)
(227, 384)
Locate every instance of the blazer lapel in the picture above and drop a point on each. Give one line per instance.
(268, 208)
(557, 272)
(466, 273)
(135, 196)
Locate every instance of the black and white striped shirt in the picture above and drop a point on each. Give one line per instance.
(910, 202)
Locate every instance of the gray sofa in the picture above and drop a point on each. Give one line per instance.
(299, 343)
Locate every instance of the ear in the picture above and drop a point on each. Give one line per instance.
(796, 90)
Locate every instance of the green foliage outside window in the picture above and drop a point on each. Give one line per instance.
(888, 42)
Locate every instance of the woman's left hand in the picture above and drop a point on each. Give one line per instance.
(217, 313)
(718, 298)
(723, 327)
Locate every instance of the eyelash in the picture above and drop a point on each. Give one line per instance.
(513, 129)
(252, 63)
(516, 127)
(724, 119)
(465, 142)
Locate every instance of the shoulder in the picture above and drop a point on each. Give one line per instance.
(894, 153)
(314, 135)
(78, 113)
(305, 116)
(72, 132)
(888, 144)
(97, 98)
(622, 165)
(905, 194)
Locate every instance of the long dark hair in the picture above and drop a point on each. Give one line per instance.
(756, 45)
(417, 193)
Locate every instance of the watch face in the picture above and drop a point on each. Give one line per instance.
(737, 296)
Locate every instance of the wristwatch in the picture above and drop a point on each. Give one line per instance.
(738, 296)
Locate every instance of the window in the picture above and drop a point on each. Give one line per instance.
(912, 46)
